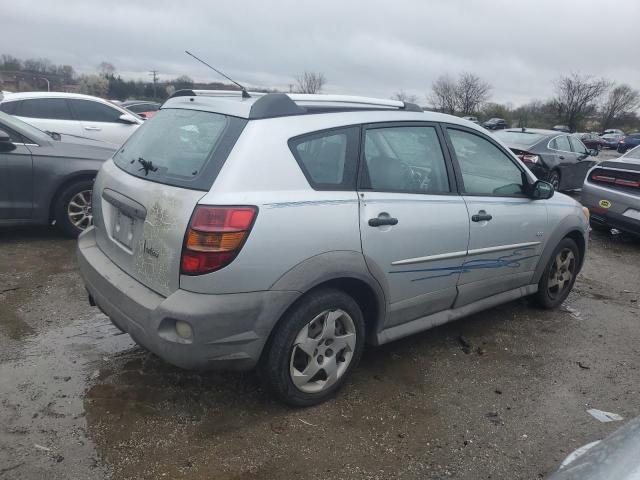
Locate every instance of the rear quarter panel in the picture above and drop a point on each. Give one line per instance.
(51, 172)
(294, 222)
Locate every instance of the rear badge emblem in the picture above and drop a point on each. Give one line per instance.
(604, 203)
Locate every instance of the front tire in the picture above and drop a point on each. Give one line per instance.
(314, 348)
(73, 209)
(559, 275)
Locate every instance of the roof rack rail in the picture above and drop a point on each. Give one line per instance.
(269, 105)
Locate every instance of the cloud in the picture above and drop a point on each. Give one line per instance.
(362, 47)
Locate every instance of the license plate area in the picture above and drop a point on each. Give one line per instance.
(123, 229)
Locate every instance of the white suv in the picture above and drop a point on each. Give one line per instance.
(285, 231)
(72, 114)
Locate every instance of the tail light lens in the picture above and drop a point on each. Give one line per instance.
(615, 178)
(215, 237)
(528, 158)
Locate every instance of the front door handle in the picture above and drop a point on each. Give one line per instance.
(379, 221)
(561, 157)
(481, 216)
(93, 128)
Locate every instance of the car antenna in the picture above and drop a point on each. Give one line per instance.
(245, 94)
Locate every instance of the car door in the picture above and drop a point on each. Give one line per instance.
(414, 226)
(565, 160)
(16, 179)
(101, 121)
(584, 162)
(507, 228)
(48, 114)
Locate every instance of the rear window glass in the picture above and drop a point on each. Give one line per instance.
(178, 147)
(8, 107)
(50, 108)
(520, 138)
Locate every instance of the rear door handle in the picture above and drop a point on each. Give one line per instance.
(379, 221)
(481, 216)
(93, 128)
(561, 157)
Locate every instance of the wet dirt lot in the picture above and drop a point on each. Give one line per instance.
(78, 400)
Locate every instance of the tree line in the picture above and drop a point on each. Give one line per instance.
(580, 102)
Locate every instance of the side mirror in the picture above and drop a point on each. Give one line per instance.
(5, 142)
(594, 152)
(541, 190)
(128, 118)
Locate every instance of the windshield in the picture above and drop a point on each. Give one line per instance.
(519, 138)
(176, 147)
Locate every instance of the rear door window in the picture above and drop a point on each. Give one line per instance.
(89, 111)
(328, 158)
(186, 148)
(406, 159)
(49, 108)
(562, 143)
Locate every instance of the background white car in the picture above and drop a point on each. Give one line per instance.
(72, 114)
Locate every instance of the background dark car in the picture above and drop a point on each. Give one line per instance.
(561, 128)
(592, 141)
(47, 178)
(141, 108)
(611, 140)
(495, 124)
(628, 142)
(559, 158)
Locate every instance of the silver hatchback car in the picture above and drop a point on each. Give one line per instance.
(284, 232)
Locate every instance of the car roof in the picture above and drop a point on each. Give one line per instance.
(30, 95)
(352, 109)
(128, 103)
(539, 131)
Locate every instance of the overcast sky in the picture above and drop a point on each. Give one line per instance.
(363, 47)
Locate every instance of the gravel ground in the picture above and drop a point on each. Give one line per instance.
(501, 394)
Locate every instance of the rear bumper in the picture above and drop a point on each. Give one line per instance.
(229, 331)
(619, 203)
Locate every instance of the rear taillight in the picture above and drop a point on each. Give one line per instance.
(614, 177)
(528, 158)
(214, 237)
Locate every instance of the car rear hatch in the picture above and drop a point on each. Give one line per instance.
(144, 197)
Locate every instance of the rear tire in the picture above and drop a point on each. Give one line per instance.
(328, 324)
(73, 210)
(559, 275)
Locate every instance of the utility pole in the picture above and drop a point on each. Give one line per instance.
(154, 76)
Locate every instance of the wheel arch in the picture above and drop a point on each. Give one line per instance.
(65, 183)
(343, 270)
(568, 228)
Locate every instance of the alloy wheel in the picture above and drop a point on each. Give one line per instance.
(322, 351)
(561, 273)
(79, 210)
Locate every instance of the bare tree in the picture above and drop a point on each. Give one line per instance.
(576, 97)
(472, 92)
(621, 101)
(310, 82)
(404, 96)
(444, 95)
(106, 69)
(95, 85)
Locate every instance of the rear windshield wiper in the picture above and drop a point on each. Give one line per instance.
(147, 166)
